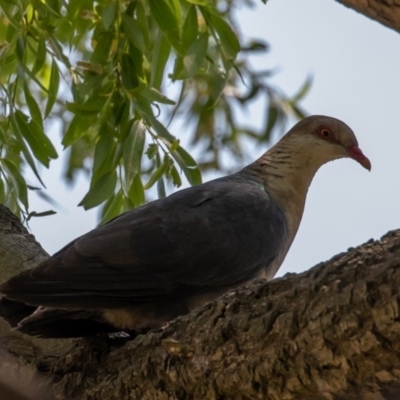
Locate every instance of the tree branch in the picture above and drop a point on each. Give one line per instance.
(386, 12)
(330, 332)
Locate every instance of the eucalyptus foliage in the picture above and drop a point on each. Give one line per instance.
(103, 69)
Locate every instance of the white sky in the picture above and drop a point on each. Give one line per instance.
(356, 64)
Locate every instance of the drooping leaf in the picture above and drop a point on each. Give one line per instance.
(176, 178)
(108, 15)
(34, 109)
(2, 191)
(199, 2)
(161, 130)
(160, 55)
(112, 207)
(40, 214)
(190, 27)
(40, 58)
(102, 50)
(168, 15)
(134, 33)
(273, 117)
(161, 188)
(133, 151)
(157, 174)
(226, 34)
(136, 191)
(195, 55)
(104, 154)
(25, 150)
(154, 95)
(77, 128)
(128, 72)
(17, 180)
(53, 88)
(100, 191)
(39, 143)
(188, 165)
(303, 90)
(20, 49)
(93, 105)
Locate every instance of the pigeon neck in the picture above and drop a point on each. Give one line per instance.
(288, 173)
(287, 170)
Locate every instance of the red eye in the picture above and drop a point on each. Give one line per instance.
(325, 133)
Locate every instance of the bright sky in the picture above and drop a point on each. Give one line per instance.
(355, 64)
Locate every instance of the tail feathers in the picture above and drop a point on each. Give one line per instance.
(53, 323)
(14, 311)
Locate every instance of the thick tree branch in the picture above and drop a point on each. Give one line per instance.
(19, 251)
(331, 332)
(386, 12)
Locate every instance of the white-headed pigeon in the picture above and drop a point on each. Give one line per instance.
(163, 259)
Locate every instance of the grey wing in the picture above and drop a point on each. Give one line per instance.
(214, 236)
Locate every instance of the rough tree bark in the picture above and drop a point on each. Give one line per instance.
(387, 12)
(332, 332)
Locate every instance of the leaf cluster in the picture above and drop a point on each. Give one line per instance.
(104, 70)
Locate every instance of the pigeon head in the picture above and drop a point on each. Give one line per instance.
(321, 139)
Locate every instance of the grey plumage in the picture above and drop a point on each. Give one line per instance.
(161, 260)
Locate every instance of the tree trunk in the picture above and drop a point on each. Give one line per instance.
(332, 332)
(387, 12)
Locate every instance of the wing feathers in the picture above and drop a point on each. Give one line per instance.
(217, 235)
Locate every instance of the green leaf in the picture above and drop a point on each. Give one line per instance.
(93, 105)
(168, 15)
(22, 68)
(104, 155)
(195, 55)
(33, 106)
(134, 33)
(39, 143)
(160, 55)
(154, 95)
(161, 188)
(136, 191)
(133, 151)
(152, 150)
(25, 149)
(112, 208)
(40, 214)
(176, 178)
(178, 72)
(7, 10)
(128, 73)
(188, 165)
(53, 88)
(102, 50)
(273, 117)
(100, 191)
(199, 2)
(17, 180)
(108, 15)
(161, 130)
(158, 173)
(190, 27)
(303, 90)
(77, 128)
(143, 20)
(40, 55)
(2, 191)
(20, 49)
(226, 34)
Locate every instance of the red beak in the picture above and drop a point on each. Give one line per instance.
(356, 153)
